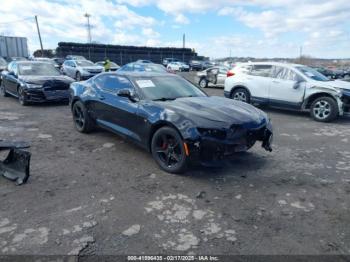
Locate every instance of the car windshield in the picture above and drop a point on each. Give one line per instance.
(312, 73)
(2, 62)
(113, 64)
(84, 63)
(167, 88)
(38, 69)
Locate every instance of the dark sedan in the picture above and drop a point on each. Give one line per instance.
(34, 82)
(168, 116)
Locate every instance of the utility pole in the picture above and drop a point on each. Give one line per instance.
(41, 43)
(184, 41)
(88, 27)
(301, 53)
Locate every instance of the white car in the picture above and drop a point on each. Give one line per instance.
(178, 66)
(81, 69)
(289, 86)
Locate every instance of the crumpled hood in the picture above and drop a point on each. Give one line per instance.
(336, 84)
(216, 112)
(40, 80)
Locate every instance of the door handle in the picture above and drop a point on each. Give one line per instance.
(101, 97)
(274, 81)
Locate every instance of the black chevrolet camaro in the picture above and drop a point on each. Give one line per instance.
(167, 115)
(32, 81)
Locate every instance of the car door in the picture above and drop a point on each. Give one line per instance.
(258, 81)
(222, 76)
(212, 75)
(115, 112)
(284, 90)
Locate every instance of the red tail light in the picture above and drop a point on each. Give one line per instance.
(230, 73)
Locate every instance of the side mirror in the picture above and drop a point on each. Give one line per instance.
(127, 93)
(297, 83)
(11, 73)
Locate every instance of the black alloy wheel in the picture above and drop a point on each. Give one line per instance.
(168, 150)
(21, 97)
(82, 121)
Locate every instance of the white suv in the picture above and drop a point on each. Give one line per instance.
(289, 86)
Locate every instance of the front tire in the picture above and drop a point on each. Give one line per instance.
(3, 92)
(78, 76)
(82, 120)
(203, 83)
(168, 150)
(21, 97)
(324, 109)
(241, 94)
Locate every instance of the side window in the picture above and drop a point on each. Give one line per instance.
(112, 83)
(261, 70)
(10, 66)
(284, 73)
(14, 69)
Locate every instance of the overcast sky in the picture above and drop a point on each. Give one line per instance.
(259, 28)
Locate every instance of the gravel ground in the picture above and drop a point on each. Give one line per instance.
(99, 194)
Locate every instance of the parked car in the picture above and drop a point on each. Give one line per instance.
(289, 86)
(81, 69)
(59, 61)
(167, 61)
(178, 66)
(75, 57)
(326, 72)
(34, 81)
(15, 58)
(47, 60)
(168, 116)
(214, 75)
(207, 64)
(196, 65)
(3, 64)
(144, 61)
(141, 67)
(114, 66)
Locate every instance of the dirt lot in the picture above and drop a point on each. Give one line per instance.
(97, 194)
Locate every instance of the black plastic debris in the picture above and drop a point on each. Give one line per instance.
(15, 166)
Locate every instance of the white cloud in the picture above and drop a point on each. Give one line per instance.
(181, 19)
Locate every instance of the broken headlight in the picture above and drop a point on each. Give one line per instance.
(215, 133)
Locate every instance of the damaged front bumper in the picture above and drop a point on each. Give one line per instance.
(16, 165)
(211, 151)
(46, 95)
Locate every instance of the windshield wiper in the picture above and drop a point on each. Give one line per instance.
(164, 99)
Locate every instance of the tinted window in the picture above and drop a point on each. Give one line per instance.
(112, 82)
(38, 69)
(311, 73)
(167, 87)
(261, 70)
(284, 73)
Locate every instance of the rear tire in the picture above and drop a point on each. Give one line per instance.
(3, 92)
(168, 150)
(82, 120)
(324, 109)
(241, 94)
